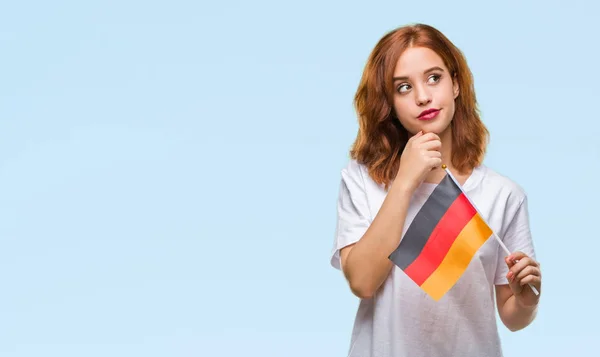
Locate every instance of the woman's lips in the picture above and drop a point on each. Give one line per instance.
(429, 114)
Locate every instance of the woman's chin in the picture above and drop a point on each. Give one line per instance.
(436, 127)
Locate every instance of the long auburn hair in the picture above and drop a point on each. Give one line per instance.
(381, 137)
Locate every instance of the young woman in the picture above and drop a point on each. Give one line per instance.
(417, 110)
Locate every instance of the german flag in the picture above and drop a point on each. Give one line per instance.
(442, 239)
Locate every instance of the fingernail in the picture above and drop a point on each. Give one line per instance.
(510, 276)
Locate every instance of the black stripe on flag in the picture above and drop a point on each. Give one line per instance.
(424, 222)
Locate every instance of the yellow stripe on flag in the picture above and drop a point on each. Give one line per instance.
(470, 239)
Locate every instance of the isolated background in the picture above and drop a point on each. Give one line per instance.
(169, 170)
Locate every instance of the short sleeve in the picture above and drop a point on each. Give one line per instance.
(353, 214)
(517, 237)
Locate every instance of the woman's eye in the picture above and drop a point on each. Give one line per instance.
(403, 88)
(434, 78)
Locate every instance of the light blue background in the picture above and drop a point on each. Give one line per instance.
(169, 170)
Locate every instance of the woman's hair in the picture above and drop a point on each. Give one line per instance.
(381, 137)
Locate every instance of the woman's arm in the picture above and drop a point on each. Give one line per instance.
(365, 263)
(517, 303)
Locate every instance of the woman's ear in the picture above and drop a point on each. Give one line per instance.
(455, 87)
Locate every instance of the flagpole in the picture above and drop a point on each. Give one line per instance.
(536, 292)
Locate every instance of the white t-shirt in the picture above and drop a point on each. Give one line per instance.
(401, 319)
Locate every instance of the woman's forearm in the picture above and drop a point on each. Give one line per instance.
(516, 317)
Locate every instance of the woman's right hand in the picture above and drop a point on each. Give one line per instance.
(421, 155)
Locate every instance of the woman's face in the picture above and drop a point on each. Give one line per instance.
(424, 91)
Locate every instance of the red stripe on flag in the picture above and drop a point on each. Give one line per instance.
(448, 228)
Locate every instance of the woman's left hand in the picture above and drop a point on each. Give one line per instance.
(524, 270)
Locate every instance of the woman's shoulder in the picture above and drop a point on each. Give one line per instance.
(355, 170)
(494, 180)
(352, 166)
(356, 175)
